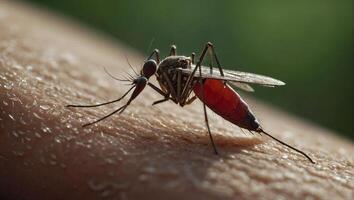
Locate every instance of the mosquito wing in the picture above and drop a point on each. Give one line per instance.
(235, 76)
(242, 86)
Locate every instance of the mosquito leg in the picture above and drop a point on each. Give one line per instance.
(189, 101)
(193, 58)
(181, 98)
(216, 58)
(205, 111)
(156, 52)
(211, 61)
(179, 85)
(173, 50)
(191, 76)
(167, 96)
(157, 89)
(207, 121)
(207, 124)
(161, 101)
(169, 83)
(102, 104)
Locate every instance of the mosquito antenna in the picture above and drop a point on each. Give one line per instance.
(127, 77)
(285, 144)
(130, 76)
(128, 84)
(126, 57)
(115, 78)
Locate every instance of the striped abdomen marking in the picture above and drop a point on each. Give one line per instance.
(224, 101)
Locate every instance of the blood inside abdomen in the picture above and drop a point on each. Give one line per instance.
(224, 101)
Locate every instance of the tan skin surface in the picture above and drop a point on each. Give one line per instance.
(149, 152)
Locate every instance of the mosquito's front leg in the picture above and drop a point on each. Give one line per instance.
(157, 89)
(167, 96)
(171, 89)
(210, 61)
(179, 85)
(205, 111)
(186, 89)
(216, 58)
(209, 45)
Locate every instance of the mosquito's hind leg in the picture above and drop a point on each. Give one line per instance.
(208, 45)
(211, 65)
(191, 76)
(193, 58)
(211, 46)
(190, 100)
(204, 108)
(206, 117)
(173, 50)
(156, 52)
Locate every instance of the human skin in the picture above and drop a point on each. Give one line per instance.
(147, 152)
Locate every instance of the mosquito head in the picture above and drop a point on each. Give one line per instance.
(149, 68)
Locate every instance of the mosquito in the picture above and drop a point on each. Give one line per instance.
(182, 80)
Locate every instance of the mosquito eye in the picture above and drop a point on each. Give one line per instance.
(149, 68)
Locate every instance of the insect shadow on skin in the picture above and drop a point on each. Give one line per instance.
(178, 76)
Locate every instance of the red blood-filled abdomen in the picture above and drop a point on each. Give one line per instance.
(224, 101)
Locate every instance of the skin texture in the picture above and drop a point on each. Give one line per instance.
(150, 152)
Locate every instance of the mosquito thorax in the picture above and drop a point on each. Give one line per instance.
(149, 68)
(172, 80)
(172, 62)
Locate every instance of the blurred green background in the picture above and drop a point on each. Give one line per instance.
(306, 43)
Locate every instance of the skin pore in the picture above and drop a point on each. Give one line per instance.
(150, 152)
